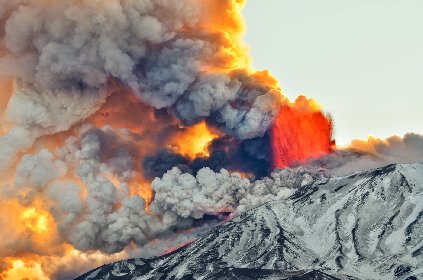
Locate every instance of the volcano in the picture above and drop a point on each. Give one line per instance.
(367, 225)
(128, 128)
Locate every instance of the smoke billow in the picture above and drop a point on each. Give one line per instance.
(129, 126)
(180, 198)
(250, 157)
(160, 49)
(373, 153)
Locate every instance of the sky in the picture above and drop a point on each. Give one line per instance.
(361, 60)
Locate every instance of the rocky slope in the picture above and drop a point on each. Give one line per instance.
(368, 225)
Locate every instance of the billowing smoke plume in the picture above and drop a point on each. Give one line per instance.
(179, 200)
(79, 152)
(168, 52)
(125, 123)
(37, 112)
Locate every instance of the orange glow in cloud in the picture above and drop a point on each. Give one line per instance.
(35, 220)
(7, 87)
(371, 144)
(30, 231)
(20, 270)
(223, 19)
(193, 141)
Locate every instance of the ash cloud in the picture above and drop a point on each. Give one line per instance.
(66, 57)
(251, 157)
(37, 112)
(164, 160)
(158, 48)
(372, 153)
(180, 200)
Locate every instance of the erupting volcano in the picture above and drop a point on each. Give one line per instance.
(106, 110)
(128, 127)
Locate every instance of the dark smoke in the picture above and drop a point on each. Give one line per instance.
(249, 156)
(157, 165)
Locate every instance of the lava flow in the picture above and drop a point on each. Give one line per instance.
(300, 132)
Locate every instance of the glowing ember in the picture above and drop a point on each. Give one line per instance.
(193, 141)
(301, 131)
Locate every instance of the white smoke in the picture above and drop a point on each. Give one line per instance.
(184, 195)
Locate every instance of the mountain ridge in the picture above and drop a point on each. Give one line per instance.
(334, 227)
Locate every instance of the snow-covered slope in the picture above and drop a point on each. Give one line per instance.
(368, 225)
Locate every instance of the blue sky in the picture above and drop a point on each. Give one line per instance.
(361, 60)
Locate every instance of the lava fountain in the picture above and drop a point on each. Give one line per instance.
(300, 132)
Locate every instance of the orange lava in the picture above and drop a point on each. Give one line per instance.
(176, 247)
(301, 131)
